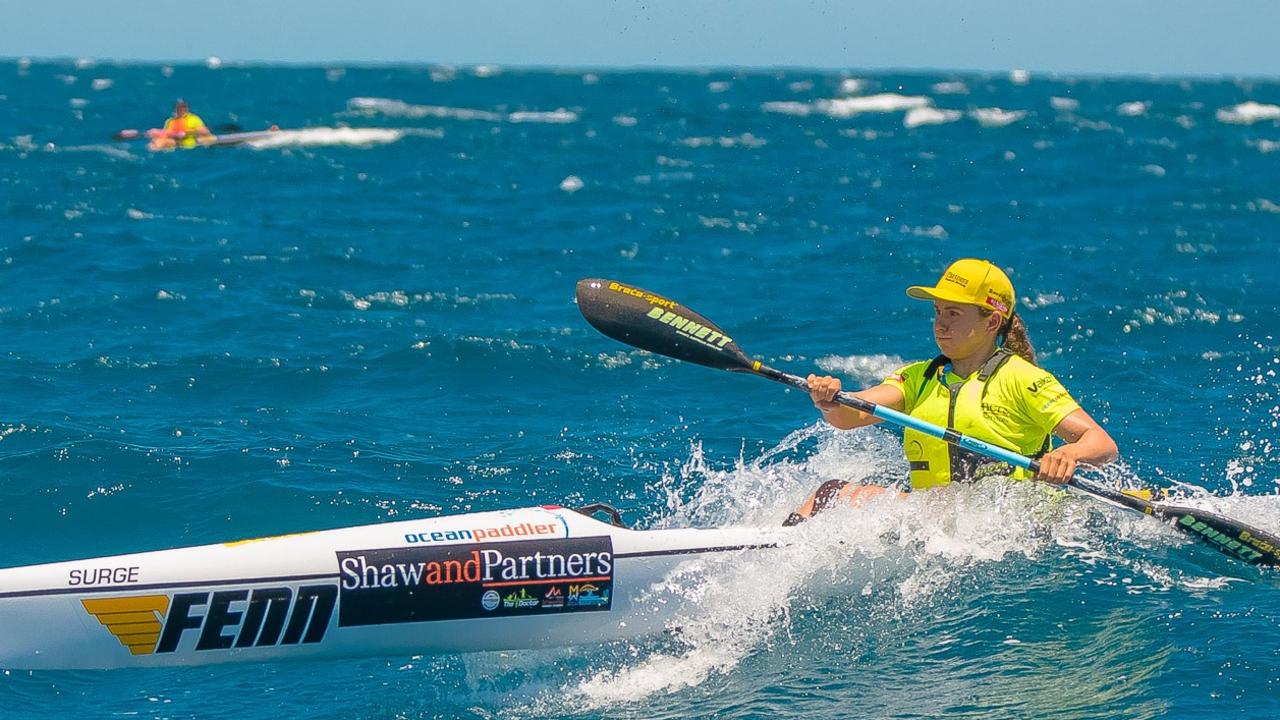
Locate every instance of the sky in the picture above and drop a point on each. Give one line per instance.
(1124, 37)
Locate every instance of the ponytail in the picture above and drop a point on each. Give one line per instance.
(1014, 336)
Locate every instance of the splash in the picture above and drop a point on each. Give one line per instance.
(908, 553)
(911, 559)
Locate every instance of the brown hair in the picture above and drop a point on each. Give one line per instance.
(1013, 335)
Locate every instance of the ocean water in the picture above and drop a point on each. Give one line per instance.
(370, 317)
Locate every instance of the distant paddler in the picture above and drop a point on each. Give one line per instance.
(184, 130)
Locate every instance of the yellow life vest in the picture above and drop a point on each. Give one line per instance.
(1007, 402)
(189, 124)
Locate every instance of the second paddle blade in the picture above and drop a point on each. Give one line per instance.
(651, 322)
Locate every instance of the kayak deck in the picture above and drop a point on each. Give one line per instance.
(534, 577)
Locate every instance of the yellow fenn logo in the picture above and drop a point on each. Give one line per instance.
(135, 621)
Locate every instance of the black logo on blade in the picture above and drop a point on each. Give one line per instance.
(452, 582)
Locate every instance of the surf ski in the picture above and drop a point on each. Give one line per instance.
(529, 578)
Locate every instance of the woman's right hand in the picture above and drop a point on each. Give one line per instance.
(823, 390)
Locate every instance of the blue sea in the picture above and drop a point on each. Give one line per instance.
(370, 316)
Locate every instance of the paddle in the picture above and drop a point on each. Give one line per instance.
(651, 322)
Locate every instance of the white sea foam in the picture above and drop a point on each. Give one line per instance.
(398, 108)
(743, 140)
(357, 137)
(849, 106)
(1137, 108)
(213, 62)
(485, 71)
(800, 86)
(102, 83)
(1040, 300)
(881, 103)
(1248, 113)
(1179, 307)
(558, 116)
(1064, 104)
(1152, 169)
(936, 232)
(787, 107)
(1019, 77)
(571, 184)
(719, 86)
(624, 120)
(853, 86)
(111, 150)
(910, 552)
(916, 117)
(335, 74)
(950, 87)
(996, 117)
(1100, 125)
(867, 370)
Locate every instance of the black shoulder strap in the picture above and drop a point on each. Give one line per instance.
(994, 363)
(931, 373)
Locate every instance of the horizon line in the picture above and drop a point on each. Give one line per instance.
(214, 62)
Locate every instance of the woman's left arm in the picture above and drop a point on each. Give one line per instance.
(1087, 443)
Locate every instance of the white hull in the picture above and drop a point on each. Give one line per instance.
(534, 577)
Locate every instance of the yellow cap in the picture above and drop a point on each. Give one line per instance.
(971, 282)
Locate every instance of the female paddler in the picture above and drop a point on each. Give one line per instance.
(985, 384)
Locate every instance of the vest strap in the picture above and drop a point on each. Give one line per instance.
(993, 363)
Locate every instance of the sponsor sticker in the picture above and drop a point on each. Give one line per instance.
(588, 595)
(499, 532)
(217, 620)
(554, 597)
(452, 582)
(520, 599)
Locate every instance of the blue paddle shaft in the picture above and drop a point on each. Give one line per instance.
(902, 419)
(951, 436)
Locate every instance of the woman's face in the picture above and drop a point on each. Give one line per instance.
(961, 330)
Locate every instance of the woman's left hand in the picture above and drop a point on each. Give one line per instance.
(1058, 466)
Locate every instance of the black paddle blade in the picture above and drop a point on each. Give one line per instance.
(1236, 539)
(651, 322)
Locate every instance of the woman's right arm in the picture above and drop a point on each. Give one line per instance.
(822, 390)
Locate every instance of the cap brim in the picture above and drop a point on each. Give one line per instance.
(920, 292)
